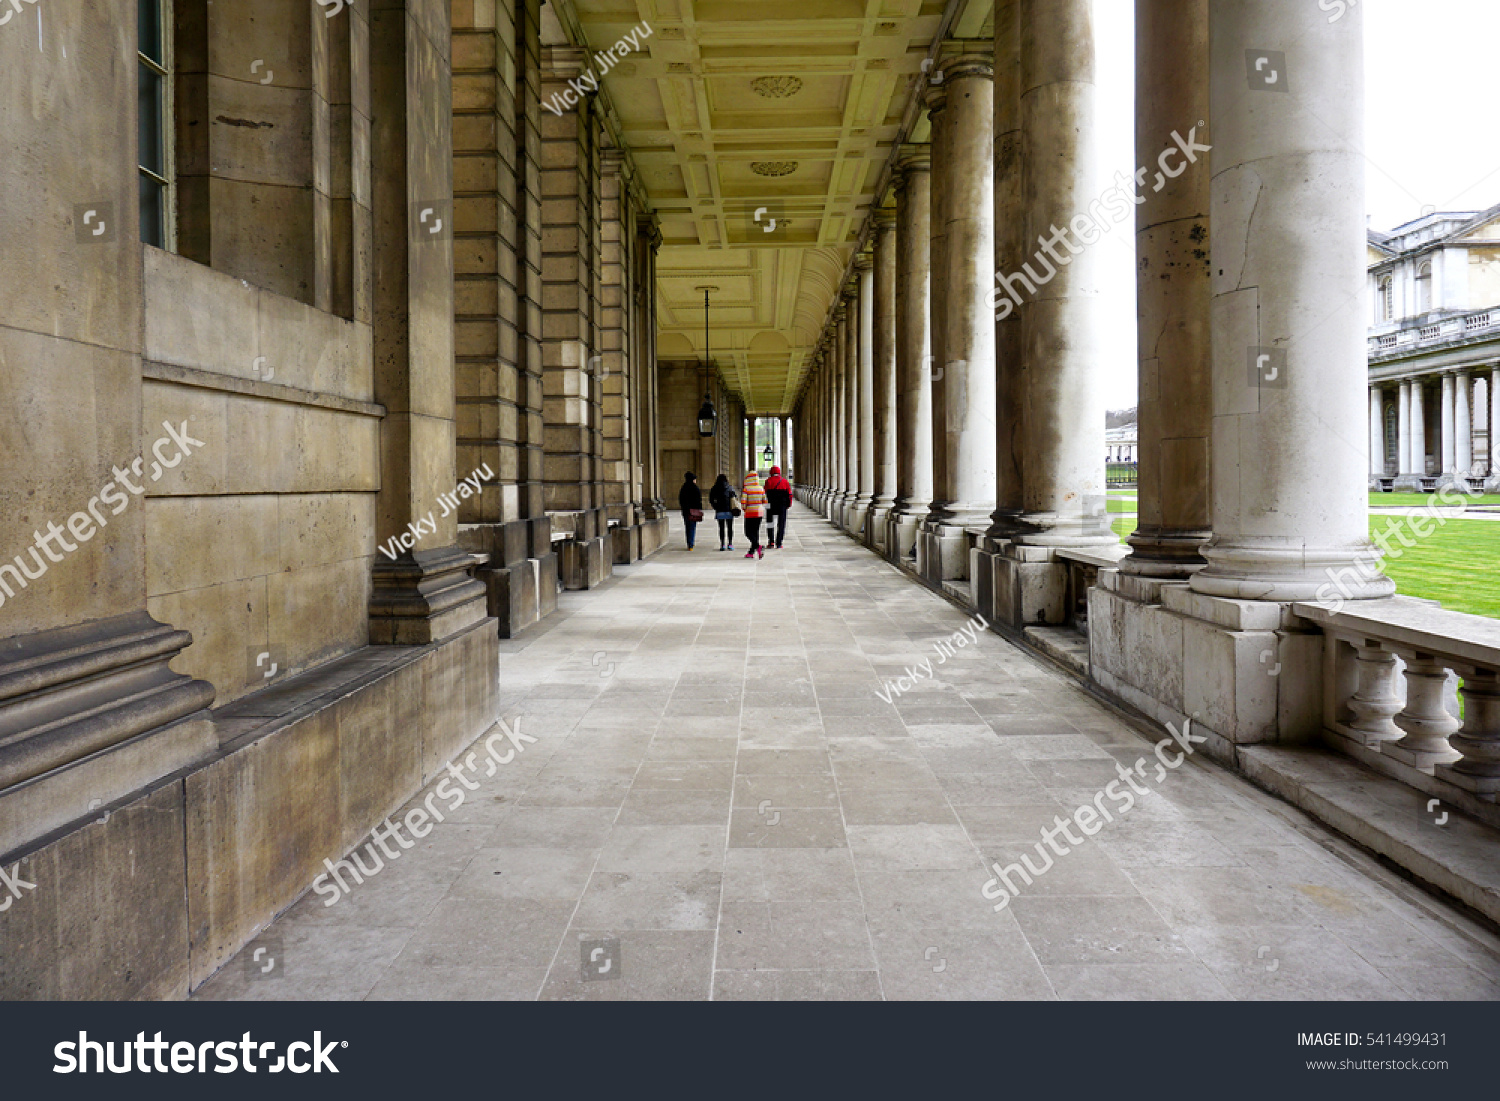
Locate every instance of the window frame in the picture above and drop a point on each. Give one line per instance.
(167, 179)
(1424, 287)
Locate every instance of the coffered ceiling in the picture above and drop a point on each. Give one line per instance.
(759, 129)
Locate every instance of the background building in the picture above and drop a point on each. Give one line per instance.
(1435, 352)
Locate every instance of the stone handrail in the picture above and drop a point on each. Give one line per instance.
(1455, 327)
(1387, 670)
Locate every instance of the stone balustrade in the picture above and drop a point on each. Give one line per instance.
(1478, 323)
(1390, 670)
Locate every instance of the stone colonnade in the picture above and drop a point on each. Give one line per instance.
(1435, 430)
(1251, 344)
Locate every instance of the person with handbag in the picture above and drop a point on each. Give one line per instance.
(753, 497)
(721, 498)
(778, 499)
(690, 500)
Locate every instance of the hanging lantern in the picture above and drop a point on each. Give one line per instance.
(708, 419)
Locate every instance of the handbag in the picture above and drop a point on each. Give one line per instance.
(735, 512)
(695, 515)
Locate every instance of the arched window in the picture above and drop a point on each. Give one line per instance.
(1385, 304)
(1424, 287)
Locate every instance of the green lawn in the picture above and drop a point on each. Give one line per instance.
(1393, 500)
(1453, 565)
(1121, 504)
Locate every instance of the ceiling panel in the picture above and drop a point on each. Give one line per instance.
(738, 112)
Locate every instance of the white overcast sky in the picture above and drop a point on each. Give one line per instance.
(1429, 141)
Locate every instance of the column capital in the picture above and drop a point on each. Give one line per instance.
(864, 261)
(914, 158)
(972, 63)
(884, 219)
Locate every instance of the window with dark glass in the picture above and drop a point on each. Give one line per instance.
(155, 100)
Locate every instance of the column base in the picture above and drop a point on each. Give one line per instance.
(89, 713)
(425, 597)
(942, 553)
(1235, 668)
(856, 515)
(584, 563)
(1154, 553)
(1454, 483)
(1287, 570)
(1021, 586)
(877, 536)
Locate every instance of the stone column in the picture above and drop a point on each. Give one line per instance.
(1493, 466)
(1010, 254)
(786, 446)
(1463, 429)
(750, 427)
(1377, 437)
(840, 427)
(913, 349)
(1418, 431)
(936, 99)
(1174, 293)
(864, 425)
(969, 248)
(1450, 458)
(428, 593)
(884, 356)
(1062, 327)
(1403, 430)
(966, 493)
(1295, 296)
(851, 402)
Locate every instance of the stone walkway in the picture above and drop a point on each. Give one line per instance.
(718, 804)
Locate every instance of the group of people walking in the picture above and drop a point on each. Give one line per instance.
(754, 500)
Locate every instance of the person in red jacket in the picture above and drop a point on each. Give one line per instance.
(778, 500)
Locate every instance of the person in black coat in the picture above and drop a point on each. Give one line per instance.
(690, 500)
(721, 498)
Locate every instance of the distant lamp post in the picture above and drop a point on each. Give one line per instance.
(708, 419)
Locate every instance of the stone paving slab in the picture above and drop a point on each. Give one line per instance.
(719, 804)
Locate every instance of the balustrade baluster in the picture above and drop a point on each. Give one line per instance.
(1374, 702)
(1479, 740)
(1425, 719)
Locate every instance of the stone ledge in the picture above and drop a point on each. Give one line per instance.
(1064, 645)
(1461, 858)
(1419, 624)
(178, 876)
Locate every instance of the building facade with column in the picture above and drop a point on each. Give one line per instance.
(1434, 353)
(377, 354)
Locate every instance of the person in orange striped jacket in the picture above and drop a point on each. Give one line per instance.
(753, 501)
